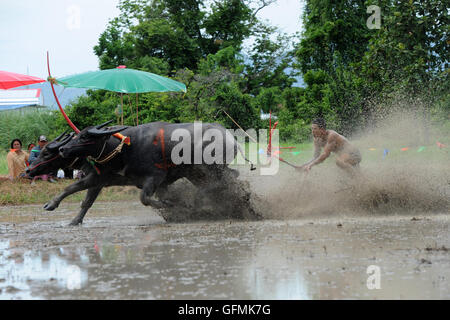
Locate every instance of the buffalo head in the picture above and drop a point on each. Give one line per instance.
(90, 141)
(49, 159)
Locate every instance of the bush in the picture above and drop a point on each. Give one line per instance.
(26, 125)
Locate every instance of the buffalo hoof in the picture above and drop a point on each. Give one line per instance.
(75, 222)
(153, 203)
(50, 206)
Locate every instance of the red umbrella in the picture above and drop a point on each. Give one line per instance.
(10, 80)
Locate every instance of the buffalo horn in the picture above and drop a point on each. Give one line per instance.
(103, 124)
(60, 136)
(96, 132)
(56, 144)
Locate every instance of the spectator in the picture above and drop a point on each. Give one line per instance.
(30, 147)
(42, 141)
(34, 154)
(17, 160)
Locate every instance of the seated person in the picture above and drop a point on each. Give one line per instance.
(34, 154)
(17, 160)
(37, 149)
(30, 147)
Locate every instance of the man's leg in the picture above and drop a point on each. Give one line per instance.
(350, 164)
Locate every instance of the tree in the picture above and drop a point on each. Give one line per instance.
(411, 48)
(201, 44)
(269, 61)
(335, 38)
(332, 30)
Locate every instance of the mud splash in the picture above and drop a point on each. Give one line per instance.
(233, 199)
(413, 176)
(382, 190)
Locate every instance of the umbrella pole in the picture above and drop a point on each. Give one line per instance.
(130, 103)
(137, 109)
(121, 103)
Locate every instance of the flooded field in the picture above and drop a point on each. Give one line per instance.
(126, 251)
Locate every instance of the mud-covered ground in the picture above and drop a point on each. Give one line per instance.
(126, 251)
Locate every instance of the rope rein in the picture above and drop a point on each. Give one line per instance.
(101, 152)
(116, 151)
(72, 163)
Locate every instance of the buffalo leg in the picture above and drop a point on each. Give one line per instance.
(148, 189)
(162, 194)
(80, 185)
(91, 196)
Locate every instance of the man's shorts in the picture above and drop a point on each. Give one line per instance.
(355, 157)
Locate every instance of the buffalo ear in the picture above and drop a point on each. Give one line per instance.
(96, 132)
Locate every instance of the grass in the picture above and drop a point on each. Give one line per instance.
(22, 192)
(27, 125)
(3, 163)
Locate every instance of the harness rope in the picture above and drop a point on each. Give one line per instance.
(113, 153)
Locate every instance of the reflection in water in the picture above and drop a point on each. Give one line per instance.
(260, 260)
(20, 271)
(268, 283)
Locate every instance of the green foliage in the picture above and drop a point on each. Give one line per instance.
(232, 62)
(412, 46)
(179, 33)
(3, 163)
(97, 107)
(332, 30)
(269, 99)
(269, 61)
(199, 46)
(346, 65)
(26, 125)
(293, 128)
(238, 105)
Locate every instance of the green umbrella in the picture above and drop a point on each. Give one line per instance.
(122, 80)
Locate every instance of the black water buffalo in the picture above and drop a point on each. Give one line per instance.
(50, 160)
(141, 164)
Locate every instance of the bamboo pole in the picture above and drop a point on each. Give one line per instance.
(137, 108)
(121, 103)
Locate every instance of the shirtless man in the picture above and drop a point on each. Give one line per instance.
(348, 156)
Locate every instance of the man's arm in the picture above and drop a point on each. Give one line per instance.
(317, 149)
(330, 146)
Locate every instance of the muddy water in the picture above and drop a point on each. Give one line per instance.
(126, 251)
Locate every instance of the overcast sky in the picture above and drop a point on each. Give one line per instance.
(69, 29)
